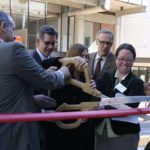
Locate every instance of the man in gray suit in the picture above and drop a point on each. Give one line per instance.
(104, 41)
(19, 73)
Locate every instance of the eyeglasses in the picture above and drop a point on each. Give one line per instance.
(128, 60)
(102, 43)
(49, 43)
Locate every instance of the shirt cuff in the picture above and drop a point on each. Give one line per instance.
(61, 73)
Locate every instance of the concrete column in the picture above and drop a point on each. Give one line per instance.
(79, 29)
(118, 28)
(62, 30)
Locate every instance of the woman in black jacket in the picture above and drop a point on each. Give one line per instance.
(81, 138)
(119, 132)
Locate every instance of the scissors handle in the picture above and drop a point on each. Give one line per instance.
(84, 106)
(84, 86)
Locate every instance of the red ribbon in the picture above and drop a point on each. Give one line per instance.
(29, 117)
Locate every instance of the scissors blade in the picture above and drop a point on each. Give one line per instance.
(123, 100)
(121, 106)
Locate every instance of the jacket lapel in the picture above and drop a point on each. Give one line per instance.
(91, 64)
(126, 82)
(108, 62)
(37, 57)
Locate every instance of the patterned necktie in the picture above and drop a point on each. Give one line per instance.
(97, 68)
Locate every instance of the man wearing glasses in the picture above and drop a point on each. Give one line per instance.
(45, 44)
(102, 60)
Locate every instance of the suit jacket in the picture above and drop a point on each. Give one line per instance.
(45, 64)
(19, 73)
(53, 61)
(37, 58)
(135, 87)
(81, 138)
(109, 64)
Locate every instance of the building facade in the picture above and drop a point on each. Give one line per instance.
(79, 20)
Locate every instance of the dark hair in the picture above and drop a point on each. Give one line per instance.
(4, 17)
(128, 47)
(76, 50)
(105, 31)
(50, 30)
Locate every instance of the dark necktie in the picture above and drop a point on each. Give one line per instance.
(97, 68)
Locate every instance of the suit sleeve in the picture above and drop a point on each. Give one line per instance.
(28, 70)
(136, 88)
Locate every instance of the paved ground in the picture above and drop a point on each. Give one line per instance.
(145, 134)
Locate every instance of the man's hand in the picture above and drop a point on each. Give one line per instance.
(43, 101)
(65, 72)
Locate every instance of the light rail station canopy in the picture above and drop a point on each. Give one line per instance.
(85, 7)
(51, 8)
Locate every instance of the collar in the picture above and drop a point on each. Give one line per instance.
(1, 40)
(117, 76)
(41, 55)
(97, 57)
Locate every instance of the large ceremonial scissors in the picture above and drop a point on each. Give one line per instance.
(116, 102)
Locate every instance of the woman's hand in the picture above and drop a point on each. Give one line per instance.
(80, 63)
(92, 84)
(147, 88)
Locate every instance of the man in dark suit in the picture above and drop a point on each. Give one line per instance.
(19, 73)
(119, 132)
(45, 44)
(104, 41)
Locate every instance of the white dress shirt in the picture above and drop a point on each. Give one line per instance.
(97, 59)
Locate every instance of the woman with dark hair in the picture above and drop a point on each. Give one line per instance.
(80, 137)
(70, 94)
(78, 50)
(119, 132)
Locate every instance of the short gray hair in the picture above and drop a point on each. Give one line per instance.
(105, 31)
(4, 17)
